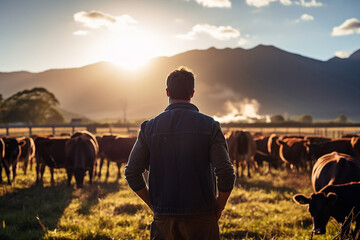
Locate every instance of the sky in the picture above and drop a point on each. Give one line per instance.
(36, 35)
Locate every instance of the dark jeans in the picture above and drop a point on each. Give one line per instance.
(185, 227)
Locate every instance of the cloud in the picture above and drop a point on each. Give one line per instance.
(220, 32)
(305, 17)
(286, 2)
(312, 3)
(350, 26)
(259, 3)
(215, 3)
(97, 19)
(81, 33)
(342, 54)
(243, 41)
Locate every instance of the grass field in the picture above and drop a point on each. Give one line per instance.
(259, 208)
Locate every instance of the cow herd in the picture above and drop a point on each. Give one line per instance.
(334, 165)
(77, 154)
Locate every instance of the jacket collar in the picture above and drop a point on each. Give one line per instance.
(182, 105)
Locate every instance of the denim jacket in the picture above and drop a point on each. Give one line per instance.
(183, 151)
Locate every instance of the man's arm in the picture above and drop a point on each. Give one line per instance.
(224, 169)
(137, 163)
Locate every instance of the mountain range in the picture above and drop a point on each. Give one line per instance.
(265, 78)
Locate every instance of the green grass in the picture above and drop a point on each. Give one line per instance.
(259, 208)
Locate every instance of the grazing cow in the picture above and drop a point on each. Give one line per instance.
(293, 151)
(242, 149)
(81, 150)
(316, 150)
(115, 149)
(336, 201)
(12, 154)
(27, 153)
(335, 168)
(262, 153)
(50, 151)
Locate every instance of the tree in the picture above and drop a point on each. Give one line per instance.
(306, 118)
(342, 118)
(35, 106)
(277, 119)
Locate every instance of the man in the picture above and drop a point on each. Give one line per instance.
(182, 149)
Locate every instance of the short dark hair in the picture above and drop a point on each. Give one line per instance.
(180, 83)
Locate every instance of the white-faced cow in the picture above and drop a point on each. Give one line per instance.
(242, 149)
(337, 201)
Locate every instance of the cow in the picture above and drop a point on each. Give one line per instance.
(316, 150)
(50, 151)
(273, 147)
(355, 144)
(115, 149)
(11, 157)
(242, 149)
(337, 201)
(293, 152)
(262, 153)
(335, 168)
(81, 151)
(27, 153)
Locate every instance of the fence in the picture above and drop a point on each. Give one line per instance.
(132, 129)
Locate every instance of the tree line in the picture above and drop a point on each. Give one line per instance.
(34, 106)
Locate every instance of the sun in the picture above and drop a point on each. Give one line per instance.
(132, 53)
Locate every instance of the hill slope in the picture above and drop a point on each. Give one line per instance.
(278, 82)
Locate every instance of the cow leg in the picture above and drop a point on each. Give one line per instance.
(108, 166)
(248, 163)
(42, 170)
(101, 164)
(26, 162)
(7, 171)
(1, 181)
(52, 176)
(236, 168)
(69, 174)
(91, 170)
(14, 165)
(119, 166)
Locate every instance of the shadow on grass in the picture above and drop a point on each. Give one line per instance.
(91, 195)
(268, 186)
(27, 213)
(241, 235)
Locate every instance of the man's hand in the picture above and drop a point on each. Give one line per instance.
(221, 202)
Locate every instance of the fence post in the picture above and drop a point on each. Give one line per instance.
(7, 131)
(30, 131)
(53, 130)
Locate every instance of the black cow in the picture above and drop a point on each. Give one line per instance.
(335, 201)
(27, 153)
(81, 150)
(335, 168)
(11, 157)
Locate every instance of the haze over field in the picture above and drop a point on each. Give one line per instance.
(252, 59)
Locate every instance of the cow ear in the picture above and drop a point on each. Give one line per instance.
(331, 197)
(301, 199)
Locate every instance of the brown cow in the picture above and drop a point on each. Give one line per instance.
(50, 151)
(355, 143)
(27, 153)
(115, 149)
(336, 201)
(335, 168)
(2, 155)
(263, 155)
(242, 149)
(293, 151)
(81, 150)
